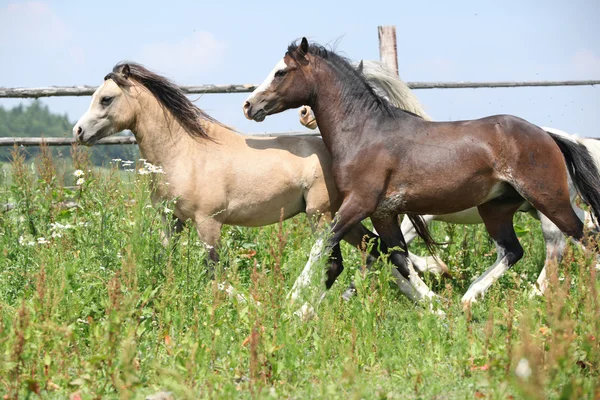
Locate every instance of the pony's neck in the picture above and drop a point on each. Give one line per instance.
(340, 111)
(161, 138)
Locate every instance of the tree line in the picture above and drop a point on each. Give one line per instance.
(36, 120)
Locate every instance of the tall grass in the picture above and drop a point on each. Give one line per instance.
(93, 305)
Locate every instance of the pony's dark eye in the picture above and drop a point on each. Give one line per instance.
(280, 73)
(106, 100)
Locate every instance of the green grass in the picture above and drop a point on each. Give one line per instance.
(104, 310)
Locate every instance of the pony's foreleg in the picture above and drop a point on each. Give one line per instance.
(407, 279)
(422, 264)
(365, 240)
(351, 213)
(497, 216)
(209, 232)
(172, 227)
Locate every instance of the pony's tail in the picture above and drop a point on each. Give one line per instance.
(423, 232)
(583, 170)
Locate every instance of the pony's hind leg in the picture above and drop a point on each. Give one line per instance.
(497, 216)
(555, 245)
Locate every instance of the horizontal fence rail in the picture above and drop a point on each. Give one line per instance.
(67, 141)
(63, 91)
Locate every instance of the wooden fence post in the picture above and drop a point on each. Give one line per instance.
(388, 53)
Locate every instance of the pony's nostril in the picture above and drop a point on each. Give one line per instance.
(247, 105)
(303, 112)
(79, 131)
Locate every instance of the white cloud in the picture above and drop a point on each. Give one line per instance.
(586, 64)
(196, 53)
(29, 23)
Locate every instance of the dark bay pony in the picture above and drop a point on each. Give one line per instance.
(387, 162)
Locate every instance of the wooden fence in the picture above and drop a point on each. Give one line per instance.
(388, 56)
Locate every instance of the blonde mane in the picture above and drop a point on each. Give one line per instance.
(389, 85)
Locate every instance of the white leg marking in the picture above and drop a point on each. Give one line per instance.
(541, 284)
(428, 264)
(306, 277)
(415, 289)
(482, 284)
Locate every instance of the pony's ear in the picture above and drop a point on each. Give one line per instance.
(360, 66)
(301, 52)
(125, 71)
(304, 46)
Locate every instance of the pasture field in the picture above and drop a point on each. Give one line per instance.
(92, 305)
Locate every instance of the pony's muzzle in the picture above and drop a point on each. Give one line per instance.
(247, 107)
(78, 133)
(251, 114)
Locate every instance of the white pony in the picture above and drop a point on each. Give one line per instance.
(388, 85)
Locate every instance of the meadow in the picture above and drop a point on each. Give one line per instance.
(93, 305)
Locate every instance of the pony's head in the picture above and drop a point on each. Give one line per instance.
(109, 112)
(286, 85)
(116, 104)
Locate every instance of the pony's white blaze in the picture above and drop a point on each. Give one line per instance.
(86, 115)
(267, 82)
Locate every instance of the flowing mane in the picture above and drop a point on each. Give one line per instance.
(389, 85)
(169, 96)
(355, 84)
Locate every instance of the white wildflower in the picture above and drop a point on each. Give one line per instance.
(446, 239)
(127, 163)
(129, 170)
(78, 173)
(523, 369)
(42, 240)
(117, 160)
(56, 234)
(150, 169)
(80, 181)
(167, 210)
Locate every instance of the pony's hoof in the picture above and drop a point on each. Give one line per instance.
(349, 294)
(306, 312)
(470, 298)
(535, 292)
(436, 310)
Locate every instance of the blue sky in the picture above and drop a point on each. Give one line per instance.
(199, 42)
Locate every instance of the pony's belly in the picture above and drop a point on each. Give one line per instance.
(454, 203)
(465, 217)
(246, 212)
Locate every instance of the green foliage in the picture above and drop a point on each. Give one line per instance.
(36, 120)
(92, 302)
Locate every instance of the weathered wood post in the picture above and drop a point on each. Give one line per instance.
(388, 51)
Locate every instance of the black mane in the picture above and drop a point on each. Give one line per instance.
(168, 94)
(355, 85)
